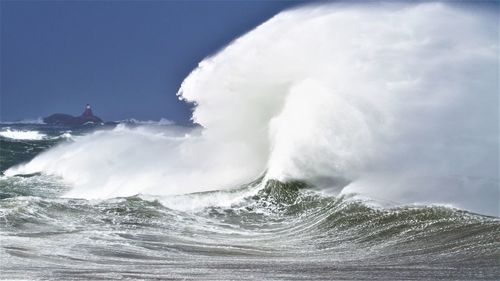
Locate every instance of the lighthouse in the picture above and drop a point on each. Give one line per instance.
(87, 118)
(88, 111)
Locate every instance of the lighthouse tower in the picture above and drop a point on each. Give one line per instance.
(88, 111)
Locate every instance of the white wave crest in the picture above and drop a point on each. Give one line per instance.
(22, 134)
(396, 101)
(390, 98)
(161, 122)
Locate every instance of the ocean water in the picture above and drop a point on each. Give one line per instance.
(335, 142)
(257, 231)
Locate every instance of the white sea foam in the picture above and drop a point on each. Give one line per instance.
(66, 135)
(400, 101)
(31, 135)
(22, 134)
(161, 122)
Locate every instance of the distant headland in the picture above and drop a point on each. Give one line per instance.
(87, 118)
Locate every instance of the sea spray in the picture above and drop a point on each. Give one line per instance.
(387, 100)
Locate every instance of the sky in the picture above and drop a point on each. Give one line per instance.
(127, 59)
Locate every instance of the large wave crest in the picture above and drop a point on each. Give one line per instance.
(398, 102)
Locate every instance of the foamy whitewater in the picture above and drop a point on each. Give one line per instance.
(21, 135)
(340, 141)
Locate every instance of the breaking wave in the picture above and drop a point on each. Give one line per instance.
(31, 135)
(161, 122)
(387, 101)
(22, 135)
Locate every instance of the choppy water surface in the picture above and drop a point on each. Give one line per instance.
(273, 232)
(336, 142)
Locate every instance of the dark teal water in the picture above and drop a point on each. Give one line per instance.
(275, 231)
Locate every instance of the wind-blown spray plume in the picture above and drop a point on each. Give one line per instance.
(394, 101)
